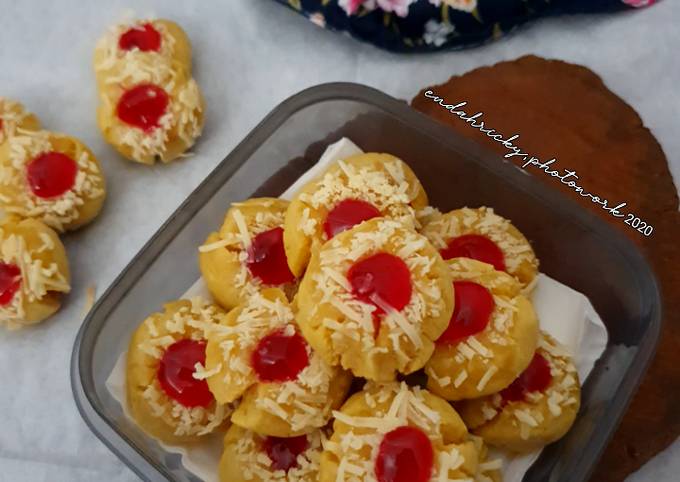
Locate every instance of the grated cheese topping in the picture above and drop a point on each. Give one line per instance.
(110, 55)
(237, 241)
(484, 221)
(255, 464)
(357, 439)
(355, 328)
(304, 402)
(529, 413)
(194, 319)
(57, 211)
(12, 113)
(37, 279)
(385, 188)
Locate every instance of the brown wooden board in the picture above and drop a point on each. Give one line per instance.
(565, 111)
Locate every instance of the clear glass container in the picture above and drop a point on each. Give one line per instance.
(574, 247)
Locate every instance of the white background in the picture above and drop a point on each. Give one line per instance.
(248, 56)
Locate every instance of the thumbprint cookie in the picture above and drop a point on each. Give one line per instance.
(538, 408)
(256, 355)
(491, 335)
(155, 40)
(349, 192)
(51, 177)
(397, 433)
(483, 235)
(247, 253)
(251, 457)
(166, 388)
(374, 299)
(34, 273)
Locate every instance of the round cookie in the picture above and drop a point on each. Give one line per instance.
(247, 253)
(358, 188)
(485, 236)
(34, 272)
(14, 119)
(396, 432)
(256, 355)
(537, 409)
(374, 299)
(153, 40)
(491, 337)
(150, 112)
(51, 177)
(249, 457)
(166, 389)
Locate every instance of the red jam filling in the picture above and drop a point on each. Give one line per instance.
(382, 280)
(283, 452)
(143, 37)
(10, 281)
(267, 258)
(346, 214)
(476, 247)
(405, 455)
(51, 174)
(279, 357)
(176, 370)
(472, 311)
(143, 106)
(536, 378)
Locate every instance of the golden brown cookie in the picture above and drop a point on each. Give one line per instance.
(251, 457)
(488, 470)
(350, 191)
(14, 119)
(150, 107)
(151, 40)
(257, 355)
(34, 273)
(166, 389)
(247, 253)
(537, 409)
(51, 177)
(485, 236)
(374, 299)
(396, 432)
(491, 336)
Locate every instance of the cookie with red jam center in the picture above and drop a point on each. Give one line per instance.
(258, 356)
(348, 193)
(249, 457)
(396, 433)
(374, 299)
(247, 254)
(167, 392)
(536, 409)
(34, 272)
(51, 177)
(491, 335)
(482, 235)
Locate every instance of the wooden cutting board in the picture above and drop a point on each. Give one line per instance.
(564, 110)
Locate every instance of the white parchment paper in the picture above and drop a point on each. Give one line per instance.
(564, 313)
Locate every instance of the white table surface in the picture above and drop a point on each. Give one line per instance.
(248, 56)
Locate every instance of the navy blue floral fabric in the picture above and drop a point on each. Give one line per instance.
(426, 25)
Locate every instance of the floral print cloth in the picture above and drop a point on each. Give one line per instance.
(425, 25)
